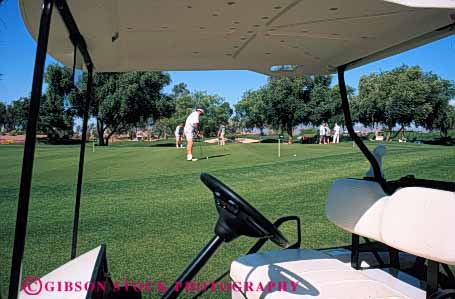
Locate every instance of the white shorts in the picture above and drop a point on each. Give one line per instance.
(189, 133)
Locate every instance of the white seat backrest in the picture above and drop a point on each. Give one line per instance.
(421, 221)
(356, 206)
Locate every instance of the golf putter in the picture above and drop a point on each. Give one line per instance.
(201, 151)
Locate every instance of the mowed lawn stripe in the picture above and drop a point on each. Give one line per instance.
(150, 208)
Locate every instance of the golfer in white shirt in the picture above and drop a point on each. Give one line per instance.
(191, 131)
(336, 133)
(321, 133)
(179, 136)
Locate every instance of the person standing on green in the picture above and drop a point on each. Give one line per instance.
(179, 136)
(221, 132)
(191, 131)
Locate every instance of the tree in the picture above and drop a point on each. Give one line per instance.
(124, 100)
(180, 90)
(217, 112)
(17, 115)
(325, 101)
(406, 97)
(439, 93)
(288, 103)
(56, 117)
(336, 109)
(178, 105)
(184, 104)
(448, 120)
(403, 96)
(3, 117)
(165, 120)
(285, 103)
(91, 130)
(252, 110)
(235, 125)
(369, 106)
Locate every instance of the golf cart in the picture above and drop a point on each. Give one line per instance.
(406, 223)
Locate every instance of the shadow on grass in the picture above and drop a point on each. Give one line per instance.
(213, 156)
(269, 140)
(440, 141)
(168, 144)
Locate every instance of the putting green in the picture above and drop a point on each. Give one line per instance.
(148, 205)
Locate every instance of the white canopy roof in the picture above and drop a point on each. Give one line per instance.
(306, 36)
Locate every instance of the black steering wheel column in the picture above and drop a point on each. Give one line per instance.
(236, 218)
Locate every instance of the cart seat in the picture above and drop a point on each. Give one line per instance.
(415, 220)
(356, 206)
(62, 282)
(317, 275)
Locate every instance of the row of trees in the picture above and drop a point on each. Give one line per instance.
(56, 117)
(403, 96)
(120, 102)
(286, 102)
(217, 110)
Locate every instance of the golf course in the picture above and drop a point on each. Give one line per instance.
(148, 205)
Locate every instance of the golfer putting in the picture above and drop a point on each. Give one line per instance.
(191, 132)
(179, 136)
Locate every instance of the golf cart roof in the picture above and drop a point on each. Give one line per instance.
(273, 37)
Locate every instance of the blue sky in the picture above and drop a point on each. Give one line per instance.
(17, 54)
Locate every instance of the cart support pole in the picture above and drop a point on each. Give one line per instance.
(81, 161)
(195, 266)
(29, 150)
(348, 122)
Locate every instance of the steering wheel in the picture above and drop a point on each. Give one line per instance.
(238, 217)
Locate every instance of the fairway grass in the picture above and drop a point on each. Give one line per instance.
(150, 208)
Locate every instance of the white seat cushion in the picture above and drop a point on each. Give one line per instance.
(298, 273)
(357, 206)
(420, 221)
(415, 220)
(398, 280)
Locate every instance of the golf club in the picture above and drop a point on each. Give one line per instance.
(200, 149)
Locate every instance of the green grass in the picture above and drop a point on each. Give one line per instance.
(150, 208)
